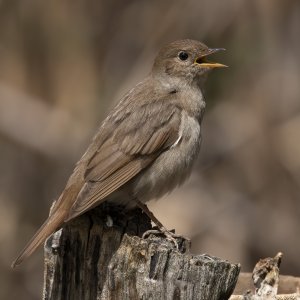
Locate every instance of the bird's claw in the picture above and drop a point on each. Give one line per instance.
(170, 236)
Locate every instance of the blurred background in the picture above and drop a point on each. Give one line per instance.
(63, 65)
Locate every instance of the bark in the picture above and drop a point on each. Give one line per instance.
(101, 256)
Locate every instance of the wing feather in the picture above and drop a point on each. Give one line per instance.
(93, 193)
(127, 151)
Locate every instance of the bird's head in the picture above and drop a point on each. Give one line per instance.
(185, 59)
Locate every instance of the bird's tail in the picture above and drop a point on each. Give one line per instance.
(51, 224)
(58, 215)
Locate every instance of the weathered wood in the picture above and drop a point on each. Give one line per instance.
(287, 284)
(101, 256)
(265, 278)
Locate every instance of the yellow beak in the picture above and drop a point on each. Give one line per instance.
(203, 62)
(212, 65)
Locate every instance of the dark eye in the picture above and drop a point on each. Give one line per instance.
(183, 55)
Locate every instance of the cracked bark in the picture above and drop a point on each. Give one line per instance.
(101, 256)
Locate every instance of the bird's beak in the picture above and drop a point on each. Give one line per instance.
(203, 62)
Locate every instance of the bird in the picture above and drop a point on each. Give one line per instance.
(145, 147)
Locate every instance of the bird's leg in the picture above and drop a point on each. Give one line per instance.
(161, 228)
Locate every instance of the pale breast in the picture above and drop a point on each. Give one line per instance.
(173, 166)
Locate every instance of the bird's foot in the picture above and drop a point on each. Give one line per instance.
(180, 242)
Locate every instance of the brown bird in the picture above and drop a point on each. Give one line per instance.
(147, 144)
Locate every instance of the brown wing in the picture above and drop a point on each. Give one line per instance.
(127, 151)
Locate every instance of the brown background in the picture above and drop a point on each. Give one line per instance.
(64, 63)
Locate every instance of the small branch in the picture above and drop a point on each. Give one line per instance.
(266, 281)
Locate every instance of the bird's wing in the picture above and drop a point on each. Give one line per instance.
(128, 150)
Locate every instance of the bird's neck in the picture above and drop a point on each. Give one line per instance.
(189, 94)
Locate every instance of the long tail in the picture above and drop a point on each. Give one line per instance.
(58, 215)
(50, 225)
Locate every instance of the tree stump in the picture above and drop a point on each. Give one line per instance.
(101, 256)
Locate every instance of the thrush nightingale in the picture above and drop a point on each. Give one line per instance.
(147, 144)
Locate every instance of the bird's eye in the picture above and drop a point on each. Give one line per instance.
(183, 55)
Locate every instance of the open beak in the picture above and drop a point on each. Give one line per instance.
(203, 62)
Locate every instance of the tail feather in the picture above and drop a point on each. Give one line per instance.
(50, 225)
(58, 215)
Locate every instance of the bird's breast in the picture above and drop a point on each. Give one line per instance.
(173, 166)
